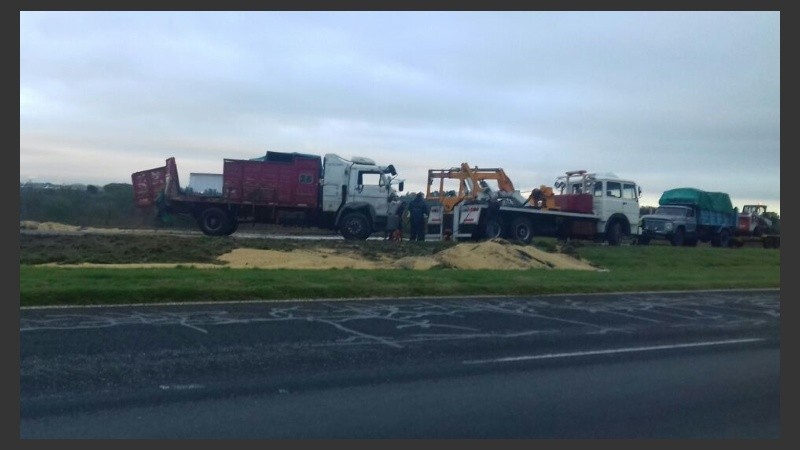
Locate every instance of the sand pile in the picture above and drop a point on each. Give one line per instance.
(46, 226)
(495, 254)
(500, 254)
(323, 258)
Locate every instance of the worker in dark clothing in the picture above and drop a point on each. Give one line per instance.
(394, 216)
(418, 213)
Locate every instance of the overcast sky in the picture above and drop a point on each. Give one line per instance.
(668, 99)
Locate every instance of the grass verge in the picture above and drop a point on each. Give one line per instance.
(628, 268)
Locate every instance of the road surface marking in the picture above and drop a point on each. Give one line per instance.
(610, 351)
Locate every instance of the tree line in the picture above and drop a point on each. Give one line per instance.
(109, 206)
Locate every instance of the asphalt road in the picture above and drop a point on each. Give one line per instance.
(699, 364)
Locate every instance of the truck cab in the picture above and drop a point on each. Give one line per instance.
(673, 223)
(356, 194)
(613, 200)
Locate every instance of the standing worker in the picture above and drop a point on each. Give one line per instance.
(418, 212)
(393, 216)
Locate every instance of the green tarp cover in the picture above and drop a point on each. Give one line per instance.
(714, 201)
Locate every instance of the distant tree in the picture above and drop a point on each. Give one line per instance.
(776, 220)
(111, 206)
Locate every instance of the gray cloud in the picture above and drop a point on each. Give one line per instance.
(670, 99)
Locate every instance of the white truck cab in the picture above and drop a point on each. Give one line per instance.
(615, 201)
(358, 192)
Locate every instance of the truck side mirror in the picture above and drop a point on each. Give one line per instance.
(400, 186)
(640, 190)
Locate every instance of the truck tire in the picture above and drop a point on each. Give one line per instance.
(522, 230)
(215, 221)
(355, 226)
(494, 228)
(614, 233)
(678, 237)
(723, 239)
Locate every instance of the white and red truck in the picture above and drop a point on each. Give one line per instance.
(351, 196)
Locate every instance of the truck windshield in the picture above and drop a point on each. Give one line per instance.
(671, 211)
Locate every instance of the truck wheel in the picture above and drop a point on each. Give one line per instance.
(690, 242)
(355, 226)
(215, 222)
(522, 230)
(494, 228)
(614, 233)
(677, 238)
(724, 238)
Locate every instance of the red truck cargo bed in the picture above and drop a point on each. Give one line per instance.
(291, 181)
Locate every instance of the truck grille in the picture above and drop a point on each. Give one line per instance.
(654, 225)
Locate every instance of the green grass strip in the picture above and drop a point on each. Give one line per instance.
(633, 268)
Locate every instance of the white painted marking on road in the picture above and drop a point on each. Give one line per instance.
(611, 351)
(180, 387)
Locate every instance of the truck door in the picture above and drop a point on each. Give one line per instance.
(369, 186)
(630, 204)
(612, 197)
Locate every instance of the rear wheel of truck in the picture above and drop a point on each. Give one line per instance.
(215, 222)
(355, 226)
(522, 230)
(677, 238)
(494, 228)
(614, 233)
(723, 239)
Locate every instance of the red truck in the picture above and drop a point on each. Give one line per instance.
(351, 196)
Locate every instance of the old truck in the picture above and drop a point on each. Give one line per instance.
(754, 225)
(587, 206)
(686, 216)
(351, 196)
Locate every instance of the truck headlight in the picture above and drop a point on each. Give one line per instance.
(668, 226)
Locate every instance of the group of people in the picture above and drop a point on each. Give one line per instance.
(417, 214)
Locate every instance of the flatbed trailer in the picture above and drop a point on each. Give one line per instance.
(483, 221)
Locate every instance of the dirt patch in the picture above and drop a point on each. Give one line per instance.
(30, 226)
(46, 226)
(496, 254)
(323, 258)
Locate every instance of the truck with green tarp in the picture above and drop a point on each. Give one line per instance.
(686, 216)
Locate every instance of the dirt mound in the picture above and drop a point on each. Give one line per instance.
(46, 226)
(495, 254)
(500, 254)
